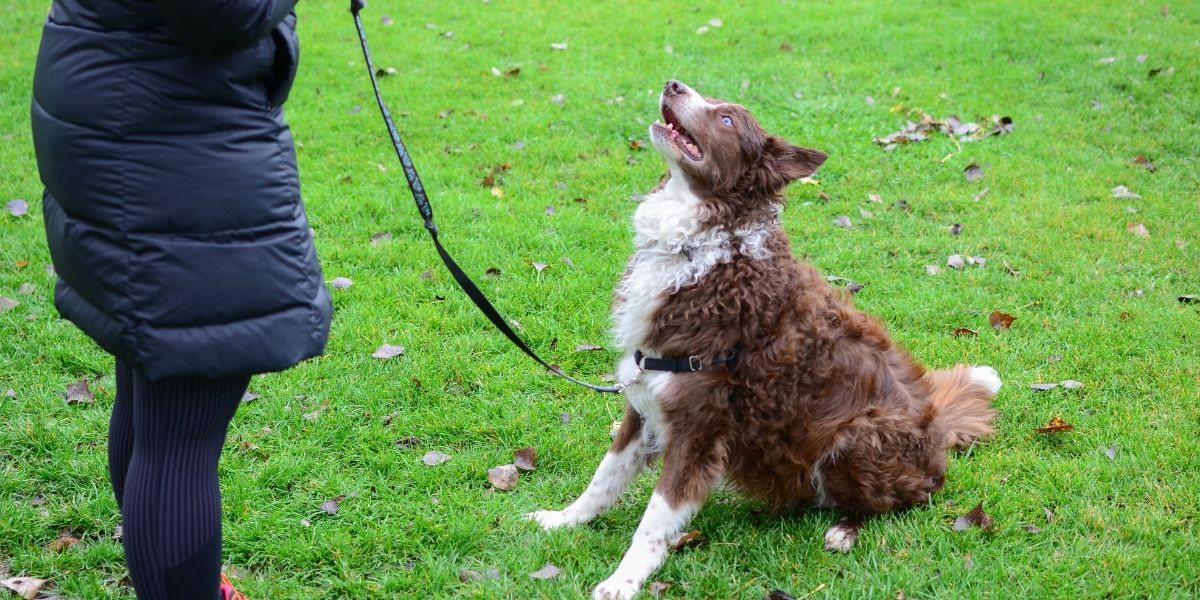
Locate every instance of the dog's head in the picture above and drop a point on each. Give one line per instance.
(721, 149)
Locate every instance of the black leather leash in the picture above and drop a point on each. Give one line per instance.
(426, 210)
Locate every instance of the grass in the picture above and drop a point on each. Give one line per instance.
(1093, 302)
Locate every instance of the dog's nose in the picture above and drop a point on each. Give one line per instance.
(675, 88)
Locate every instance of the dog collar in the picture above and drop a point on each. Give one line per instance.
(685, 364)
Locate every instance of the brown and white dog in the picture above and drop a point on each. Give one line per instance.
(819, 408)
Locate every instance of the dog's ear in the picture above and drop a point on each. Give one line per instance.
(788, 162)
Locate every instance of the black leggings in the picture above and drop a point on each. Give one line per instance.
(164, 442)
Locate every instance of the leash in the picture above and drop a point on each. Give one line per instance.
(426, 210)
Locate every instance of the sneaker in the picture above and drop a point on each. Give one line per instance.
(228, 592)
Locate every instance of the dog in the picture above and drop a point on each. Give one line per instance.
(743, 364)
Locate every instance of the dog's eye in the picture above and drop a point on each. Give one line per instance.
(727, 120)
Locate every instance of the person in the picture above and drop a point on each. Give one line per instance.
(173, 215)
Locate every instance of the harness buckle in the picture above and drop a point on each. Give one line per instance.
(694, 363)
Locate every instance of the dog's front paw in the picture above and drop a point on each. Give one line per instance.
(551, 519)
(615, 588)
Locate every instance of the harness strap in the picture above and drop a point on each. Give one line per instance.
(685, 364)
(426, 209)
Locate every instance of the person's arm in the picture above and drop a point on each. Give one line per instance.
(217, 27)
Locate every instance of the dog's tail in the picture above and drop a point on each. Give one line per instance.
(962, 402)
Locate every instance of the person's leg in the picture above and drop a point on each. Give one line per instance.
(120, 431)
(172, 502)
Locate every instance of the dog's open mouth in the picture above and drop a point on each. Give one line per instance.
(679, 136)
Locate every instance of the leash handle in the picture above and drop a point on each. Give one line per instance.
(426, 209)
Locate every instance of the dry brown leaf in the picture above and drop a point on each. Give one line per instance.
(434, 458)
(79, 393)
(1138, 229)
(690, 539)
(25, 587)
(66, 538)
(976, 518)
(1000, 320)
(503, 477)
(525, 459)
(1056, 425)
(961, 331)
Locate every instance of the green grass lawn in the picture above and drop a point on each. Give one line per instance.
(1093, 301)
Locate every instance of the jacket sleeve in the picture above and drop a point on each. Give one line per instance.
(217, 27)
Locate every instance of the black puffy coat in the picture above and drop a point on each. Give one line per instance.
(172, 202)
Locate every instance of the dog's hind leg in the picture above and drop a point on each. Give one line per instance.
(624, 460)
(693, 462)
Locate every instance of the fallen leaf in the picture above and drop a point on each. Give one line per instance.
(961, 331)
(1011, 271)
(498, 192)
(1042, 387)
(843, 221)
(690, 539)
(565, 418)
(387, 351)
(312, 416)
(547, 572)
(249, 397)
(1108, 60)
(973, 173)
(8, 304)
(703, 29)
(426, 275)
(405, 442)
(955, 261)
(332, 506)
(25, 587)
(656, 588)
(66, 538)
(1189, 299)
(341, 283)
(1139, 230)
(932, 269)
(1030, 527)
(786, 47)
(550, 211)
(1049, 515)
(78, 393)
(1145, 163)
(380, 236)
(869, 100)
(1123, 193)
(434, 458)
(558, 46)
(981, 194)
(1071, 384)
(864, 213)
(525, 459)
(1056, 425)
(467, 575)
(558, 99)
(386, 71)
(976, 518)
(539, 267)
(588, 347)
(492, 272)
(778, 595)
(387, 20)
(305, 523)
(1111, 453)
(503, 477)
(854, 287)
(17, 208)
(876, 198)
(1001, 321)
(956, 229)
(716, 22)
